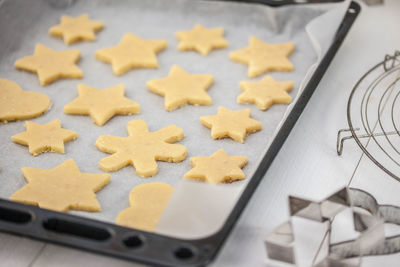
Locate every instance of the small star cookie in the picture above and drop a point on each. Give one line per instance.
(17, 104)
(44, 137)
(263, 57)
(235, 124)
(61, 188)
(141, 148)
(101, 105)
(217, 168)
(147, 203)
(76, 29)
(181, 88)
(131, 53)
(51, 65)
(201, 39)
(265, 92)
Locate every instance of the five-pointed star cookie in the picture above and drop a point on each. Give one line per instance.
(235, 124)
(141, 148)
(265, 92)
(132, 52)
(263, 57)
(101, 105)
(44, 137)
(217, 168)
(50, 64)
(181, 88)
(201, 39)
(76, 29)
(61, 188)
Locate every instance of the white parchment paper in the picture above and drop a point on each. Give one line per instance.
(23, 24)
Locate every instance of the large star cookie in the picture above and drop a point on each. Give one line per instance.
(16, 104)
(61, 188)
(265, 92)
(44, 137)
(76, 29)
(51, 65)
(101, 105)
(132, 52)
(217, 168)
(141, 148)
(181, 88)
(147, 203)
(263, 57)
(235, 124)
(201, 39)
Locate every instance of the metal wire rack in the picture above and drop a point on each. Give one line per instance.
(373, 115)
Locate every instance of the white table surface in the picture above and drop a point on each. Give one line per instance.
(307, 164)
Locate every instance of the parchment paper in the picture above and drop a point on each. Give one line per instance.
(25, 23)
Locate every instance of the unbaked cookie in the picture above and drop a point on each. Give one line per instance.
(181, 88)
(217, 168)
(61, 188)
(141, 148)
(147, 203)
(16, 104)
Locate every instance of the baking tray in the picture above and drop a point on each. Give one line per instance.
(110, 239)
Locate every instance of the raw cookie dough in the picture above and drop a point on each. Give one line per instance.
(181, 88)
(141, 148)
(147, 203)
(201, 39)
(16, 104)
(235, 124)
(131, 53)
(263, 57)
(101, 105)
(73, 29)
(44, 137)
(51, 65)
(61, 188)
(265, 92)
(217, 168)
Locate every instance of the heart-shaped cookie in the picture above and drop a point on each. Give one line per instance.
(17, 104)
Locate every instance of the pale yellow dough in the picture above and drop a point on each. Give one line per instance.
(61, 188)
(17, 104)
(266, 92)
(44, 137)
(74, 29)
(181, 88)
(131, 53)
(263, 57)
(51, 65)
(217, 168)
(235, 124)
(147, 203)
(201, 39)
(141, 148)
(101, 105)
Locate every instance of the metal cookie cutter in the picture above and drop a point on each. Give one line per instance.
(280, 243)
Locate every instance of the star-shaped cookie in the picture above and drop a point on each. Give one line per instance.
(51, 65)
(265, 92)
(141, 148)
(201, 39)
(131, 53)
(263, 57)
(73, 29)
(61, 188)
(217, 168)
(235, 124)
(181, 88)
(44, 137)
(101, 105)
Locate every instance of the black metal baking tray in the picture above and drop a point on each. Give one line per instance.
(125, 243)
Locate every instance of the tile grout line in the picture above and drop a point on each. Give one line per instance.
(37, 255)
